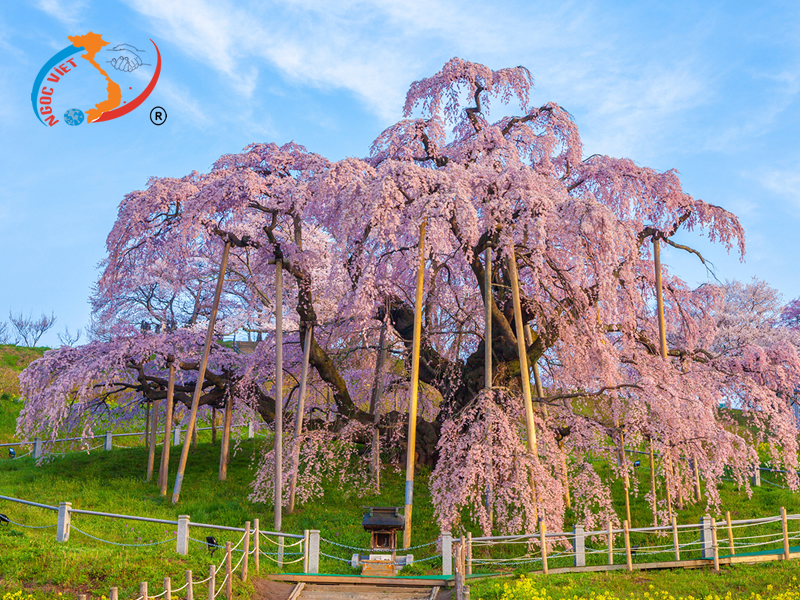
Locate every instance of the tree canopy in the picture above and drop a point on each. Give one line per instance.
(580, 231)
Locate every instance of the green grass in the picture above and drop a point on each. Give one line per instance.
(114, 482)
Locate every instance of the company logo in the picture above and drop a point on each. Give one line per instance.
(67, 80)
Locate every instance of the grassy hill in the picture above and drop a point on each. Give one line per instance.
(31, 560)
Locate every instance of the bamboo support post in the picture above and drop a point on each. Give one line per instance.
(610, 544)
(212, 582)
(147, 426)
(543, 540)
(226, 439)
(189, 585)
(375, 403)
(653, 484)
(698, 494)
(143, 590)
(785, 526)
(167, 587)
(278, 446)
(628, 557)
(668, 477)
(730, 533)
(298, 420)
(306, 536)
(564, 472)
(487, 320)
(213, 425)
(163, 471)
(114, 594)
(675, 540)
(151, 451)
(228, 572)
(714, 544)
(201, 374)
(81, 596)
(257, 544)
(412, 405)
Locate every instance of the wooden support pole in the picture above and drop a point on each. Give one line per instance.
(300, 412)
(212, 582)
(257, 544)
(114, 594)
(785, 525)
(564, 472)
(628, 557)
(189, 585)
(167, 585)
(201, 374)
(246, 550)
(147, 425)
(143, 590)
(543, 541)
(412, 405)
(668, 476)
(675, 541)
(228, 572)
(278, 445)
(163, 471)
(522, 351)
(487, 320)
(151, 452)
(714, 544)
(662, 326)
(224, 453)
(610, 544)
(213, 425)
(731, 545)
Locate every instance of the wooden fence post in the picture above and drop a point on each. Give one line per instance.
(785, 525)
(81, 596)
(167, 580)
(189, 586)
(228, 572)
(610, 544)
(143, 590)
(543, 539)
(628, 556)
(305, 550)
(212, 582)
(730, 533)
(114, 594)
(246, 550)
(714, 544)
(257, 544)
(675, 540)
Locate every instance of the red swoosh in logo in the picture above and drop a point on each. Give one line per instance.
(125, 109)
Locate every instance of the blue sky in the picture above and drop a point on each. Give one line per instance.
(711, 89)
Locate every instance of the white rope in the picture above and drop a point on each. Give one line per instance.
(221, 585)
(285, 545)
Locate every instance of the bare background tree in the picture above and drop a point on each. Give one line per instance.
(31, 330)
(5, 334)
(68, 339)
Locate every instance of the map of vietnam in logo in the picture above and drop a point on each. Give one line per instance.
(125, 58)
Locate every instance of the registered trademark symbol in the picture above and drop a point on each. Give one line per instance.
(158, 116)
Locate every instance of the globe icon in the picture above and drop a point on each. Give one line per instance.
(74, 116)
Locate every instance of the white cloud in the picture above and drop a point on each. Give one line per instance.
(181, 102)
(69, 12)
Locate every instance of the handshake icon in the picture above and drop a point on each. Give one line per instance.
(127, 58)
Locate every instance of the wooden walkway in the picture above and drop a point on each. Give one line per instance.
(362, 591)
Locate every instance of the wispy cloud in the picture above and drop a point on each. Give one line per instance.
(181, 102)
